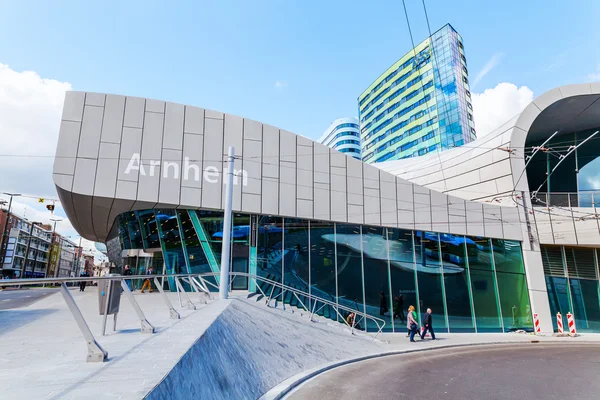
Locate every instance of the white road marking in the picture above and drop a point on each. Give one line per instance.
(27, 297)
(5, 299)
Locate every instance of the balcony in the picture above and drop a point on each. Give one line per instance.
(563, 199)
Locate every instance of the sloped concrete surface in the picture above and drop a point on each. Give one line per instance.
(250, 349)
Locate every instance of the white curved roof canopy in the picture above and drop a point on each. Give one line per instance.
(181, 149)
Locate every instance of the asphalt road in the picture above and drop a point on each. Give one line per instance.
(517, 371)
(22, 298)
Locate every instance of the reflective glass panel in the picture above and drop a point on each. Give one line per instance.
(559, 298)
(402, 275)
(483, 287)
(586, 308)
(270, 250)
(297, 266)
(322, 265)
(508, 256)
(514, 301)
(429, 277)
(240, 250)
(456, 279)
(378, 300)
(349, 268)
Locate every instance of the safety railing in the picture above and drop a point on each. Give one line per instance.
(200, 284)
(567, 199)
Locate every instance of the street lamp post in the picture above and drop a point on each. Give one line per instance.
(3, 242)
(55, 220)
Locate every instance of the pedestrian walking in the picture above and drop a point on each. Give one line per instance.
(128, 272)
(147, 281)
(383, 308)
(427, 325)
(82, 284)
(411, 323)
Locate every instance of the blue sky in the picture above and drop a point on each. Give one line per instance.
(228, 55)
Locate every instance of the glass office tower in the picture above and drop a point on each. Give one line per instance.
(343, 135)
(420, 104)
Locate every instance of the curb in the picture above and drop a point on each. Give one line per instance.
(281, 390)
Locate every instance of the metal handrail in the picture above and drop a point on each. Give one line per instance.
(198, 284)
(566, 199)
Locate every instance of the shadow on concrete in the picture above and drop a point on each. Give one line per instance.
(15, 318)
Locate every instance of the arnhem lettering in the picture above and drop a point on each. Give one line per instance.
(210, 174)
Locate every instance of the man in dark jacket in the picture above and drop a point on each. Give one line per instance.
(427, 320)
(128, 272)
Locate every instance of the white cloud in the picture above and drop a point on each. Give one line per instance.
(595, 76)
(495, 106)
(490, 65)
(281, 85)
(30, 111)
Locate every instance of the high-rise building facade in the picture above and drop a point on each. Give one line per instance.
(343, 135)
(422, 103)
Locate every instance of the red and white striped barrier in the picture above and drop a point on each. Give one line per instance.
(571, 322)
(536, 323)
(559, 323)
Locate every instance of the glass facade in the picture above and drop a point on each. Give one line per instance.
(571, 275)
(472, 284)
(422, 103)
(576, 183)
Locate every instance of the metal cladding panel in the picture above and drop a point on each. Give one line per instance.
(305, 209)
(439, 212)
(511, 224)
(85, 175)
(321, 163)
(212, 163)
(134, 112)
(354, 172)
(457, 216)
(190, 197)
(270, 153)
(406, 204)
(389, 213)
(173, 137)
(170, 179)
(95, 99)
(304, 173)
(287, 174)
(156, 106)
(73, 106)
(422, 209)
(66, 150)
(339, 209)
(63, 181)
(101, 207)
(106, 174)
(252, 163)
(270, 196)
(149, 181)
(191, 173)
(126, 190)
(233, 137)
(252, 130)
(322, 202)
(129, 159)
(371, 195)
(112, 121)
(475, 219)
(492, 220)
(152, 137)
(194, 120)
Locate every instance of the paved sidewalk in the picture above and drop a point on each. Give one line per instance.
(43, 354)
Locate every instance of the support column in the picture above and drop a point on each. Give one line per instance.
(225, 259)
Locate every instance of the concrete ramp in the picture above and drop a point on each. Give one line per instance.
(250, 348)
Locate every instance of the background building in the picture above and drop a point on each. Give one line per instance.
(27, 244)
(343, 135)
(420, 104)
